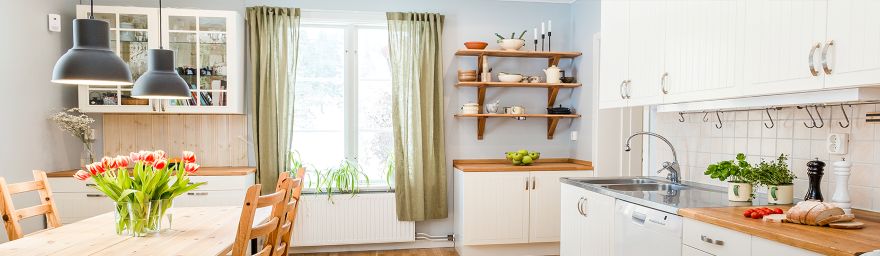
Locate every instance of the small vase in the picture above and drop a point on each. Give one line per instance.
(160, 215)
(87, 156)
(780, 194)
(139, 218)
(121, 218)
(739, 192)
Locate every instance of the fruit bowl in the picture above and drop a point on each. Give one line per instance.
(522, 157)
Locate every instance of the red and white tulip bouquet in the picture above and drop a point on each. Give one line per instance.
(142, 184)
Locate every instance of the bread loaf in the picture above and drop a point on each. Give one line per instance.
(816, 213)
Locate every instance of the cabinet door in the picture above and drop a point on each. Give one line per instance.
(781, 37)
(647, 34)
(133, 31)
(761, 246)
(613, 54)
(208, 56)
(495, 207)
(690, 251)
(599, 217)
(854, 58)
(572, 223)
(704, 49)
(544, 204)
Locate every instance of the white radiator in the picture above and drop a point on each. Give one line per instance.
(364, 219)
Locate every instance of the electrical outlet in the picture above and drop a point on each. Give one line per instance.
(837, 143)
(54, 22)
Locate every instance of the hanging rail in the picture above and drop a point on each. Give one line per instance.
(813, 123)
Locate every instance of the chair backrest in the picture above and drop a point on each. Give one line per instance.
(285, 228)
(267, 228)
(11, 216)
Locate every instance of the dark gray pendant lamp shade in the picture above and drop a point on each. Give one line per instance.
(91, 61)
(160, 81)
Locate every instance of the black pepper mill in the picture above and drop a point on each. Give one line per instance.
(815, 170)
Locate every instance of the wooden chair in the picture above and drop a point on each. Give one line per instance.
(268, 228)
(11, 216)
(285, 228)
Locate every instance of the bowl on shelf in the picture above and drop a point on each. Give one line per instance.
(511, 44)
(509, 78)
(475, 45)
(467, 75)
(567, 79)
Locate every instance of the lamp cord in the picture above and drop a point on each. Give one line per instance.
(160, 26)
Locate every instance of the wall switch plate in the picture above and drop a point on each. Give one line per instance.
(54, 22)
(574, 135)
(837, 143)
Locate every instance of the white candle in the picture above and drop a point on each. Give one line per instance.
(542, 28)
(536, 33)
(549, 26)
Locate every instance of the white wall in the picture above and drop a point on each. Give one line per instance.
(28, 140)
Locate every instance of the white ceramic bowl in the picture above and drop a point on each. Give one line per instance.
(509, 78)
(511, 44)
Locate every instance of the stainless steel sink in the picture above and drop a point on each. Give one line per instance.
(646, 187)
(621, 181)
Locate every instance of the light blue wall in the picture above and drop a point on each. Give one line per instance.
(585, 21)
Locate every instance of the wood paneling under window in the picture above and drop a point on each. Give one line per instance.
(217, 140)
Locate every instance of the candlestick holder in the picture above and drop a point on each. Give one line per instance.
(536, 44)
(841, 190)
(549, 41)
(815, 169)
(542, 42)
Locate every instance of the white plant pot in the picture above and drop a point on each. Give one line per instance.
(511, 44)
(780, 194)
(739, 192)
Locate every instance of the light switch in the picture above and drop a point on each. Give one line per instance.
(574, 135)
(54, 22)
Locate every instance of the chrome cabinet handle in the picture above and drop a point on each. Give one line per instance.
(622, 95)
(580, 206)
(706, 239)
(533, 183)
(95, 195)
(584, 206)
(90, 185)
(663, 83)
(527, 183)
(197, 193)
(813, 70)
(629, 86)
(825, 57)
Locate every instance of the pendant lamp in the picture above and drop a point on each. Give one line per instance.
(160, 81)
(91, 61)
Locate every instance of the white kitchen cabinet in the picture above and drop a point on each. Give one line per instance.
(208, 50)
(587, 219)
(514, 207)
(647, 37)
(854, 57)
(614, 54)
(690, 251)
(761, 246)
(700, 238)
(783, 37)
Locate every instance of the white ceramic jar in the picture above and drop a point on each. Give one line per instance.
(470, 108)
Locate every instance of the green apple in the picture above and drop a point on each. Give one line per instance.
(517, 156)
(527, 160)
(534, 155)
(523, 152)
(508, 156)
(516, 162)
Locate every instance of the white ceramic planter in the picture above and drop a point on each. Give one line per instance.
(739, 192)
(511, 44)
(781, 194)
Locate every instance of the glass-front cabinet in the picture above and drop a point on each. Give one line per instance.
(208, 54)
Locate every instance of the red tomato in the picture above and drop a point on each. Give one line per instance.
(757, 215)
(748, 213)
(778, 211)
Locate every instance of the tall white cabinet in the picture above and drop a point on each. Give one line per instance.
(208, 51)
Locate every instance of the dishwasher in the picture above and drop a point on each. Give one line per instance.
(640, 230)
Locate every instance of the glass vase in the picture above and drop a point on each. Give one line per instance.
(121, 219)
(159, 218)
(139, 218)
(87, 156)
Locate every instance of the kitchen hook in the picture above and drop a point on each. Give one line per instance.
(681, 117)
(705, 117)
(822, 122)
(811, 117)
(772, 124)
(720, 124)
(845, 117)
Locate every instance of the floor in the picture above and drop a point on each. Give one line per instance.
(414, 252)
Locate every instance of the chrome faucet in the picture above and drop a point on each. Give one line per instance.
(673, 168)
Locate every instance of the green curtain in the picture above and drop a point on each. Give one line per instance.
(417, 115)
(273, 35)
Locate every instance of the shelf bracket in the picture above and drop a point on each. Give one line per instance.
(480, 64)
(553, 61)
(551, 95)
(551, 126)
(481, 97)
(481, 127)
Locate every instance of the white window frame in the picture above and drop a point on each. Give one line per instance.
(350, 21)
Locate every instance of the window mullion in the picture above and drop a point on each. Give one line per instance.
(350, 94)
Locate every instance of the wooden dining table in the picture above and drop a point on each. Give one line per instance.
(194, 231)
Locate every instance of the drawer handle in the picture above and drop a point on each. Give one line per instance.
(90, 185)
(197, 193)
(711, 241)
(95, 195)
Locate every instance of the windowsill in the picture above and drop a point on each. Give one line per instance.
(363, 191)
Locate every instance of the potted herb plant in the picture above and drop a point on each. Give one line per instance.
(778, 179)
(739, 175)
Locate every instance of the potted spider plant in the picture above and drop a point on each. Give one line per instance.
(739, 175)
(778, 179)
(344, 179)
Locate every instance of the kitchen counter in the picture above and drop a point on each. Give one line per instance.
(204, 171)
(823, 240)
(502, 165)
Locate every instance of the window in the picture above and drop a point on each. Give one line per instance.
(343, 98)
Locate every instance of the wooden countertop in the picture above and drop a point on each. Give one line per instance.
(503, 165)
(204, 171)
(824, 240)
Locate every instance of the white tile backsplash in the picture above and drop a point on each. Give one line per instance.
(700, 143)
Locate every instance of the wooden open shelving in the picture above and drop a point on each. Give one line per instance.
(552, 121)
(552, 88)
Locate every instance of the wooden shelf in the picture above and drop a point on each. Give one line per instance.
(552, 121)
(523, 85)
(520, 54)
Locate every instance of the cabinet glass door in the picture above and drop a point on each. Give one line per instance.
(200, 48)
